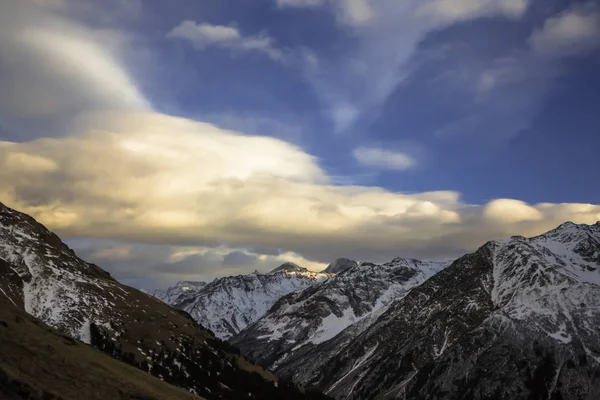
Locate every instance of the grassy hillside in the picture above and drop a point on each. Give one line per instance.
(36, 362)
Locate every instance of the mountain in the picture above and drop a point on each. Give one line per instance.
(227, 305)
(340, 265)
(516, 319)
(44, 277)
(170, 294)
(289, 267)
(296, 337)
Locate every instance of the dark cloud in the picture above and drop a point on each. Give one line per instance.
(236, 258)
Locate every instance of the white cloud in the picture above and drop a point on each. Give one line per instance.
(348, 12)
(299, 3)
(507, 211)
(355, 12)
(453, 10)
(52, 66)
(204, 35)
(381, 158)
(576, 30)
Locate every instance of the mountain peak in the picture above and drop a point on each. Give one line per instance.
(340, 265)
(288, 267)
(571, 232)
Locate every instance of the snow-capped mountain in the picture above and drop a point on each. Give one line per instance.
(340, 265)
(227, 305)
(43, 276)
(172, 293)
(287, 336)
(517, 319)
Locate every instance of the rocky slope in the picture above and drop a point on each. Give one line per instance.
(300, 332)
(227, 305)
(43, 276)
(517, 319)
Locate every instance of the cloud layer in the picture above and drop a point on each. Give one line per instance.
(153, 178)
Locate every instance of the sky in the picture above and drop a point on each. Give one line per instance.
(188, 140)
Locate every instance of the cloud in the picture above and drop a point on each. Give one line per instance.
(507, 211)
(574, 31)
(510, 90)
(348, 12)
(355, 12)
(151, 266)
(300, 3)
(49, 3)
(281, 125)
(503, 96)
(205, 35)
(383, 37)
(53, 68)
(239, 257)
(156, 179)
(453, 10)
(381, 158)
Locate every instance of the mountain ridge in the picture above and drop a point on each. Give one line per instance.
(227, 305)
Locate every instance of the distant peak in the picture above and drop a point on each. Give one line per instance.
(340, 265)
(567, 224)
(288, 267)
(567, 228)
(190, 285)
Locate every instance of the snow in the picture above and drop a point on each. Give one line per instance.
(368, 354)
(84, 333)
(561, 335)
(332, 325)
(7, 296)
(444, 345)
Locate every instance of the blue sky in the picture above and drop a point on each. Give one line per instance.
(417, 128)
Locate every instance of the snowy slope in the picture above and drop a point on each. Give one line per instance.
(303, 320)
(516, 319)
(227, 305)
(46, 278)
